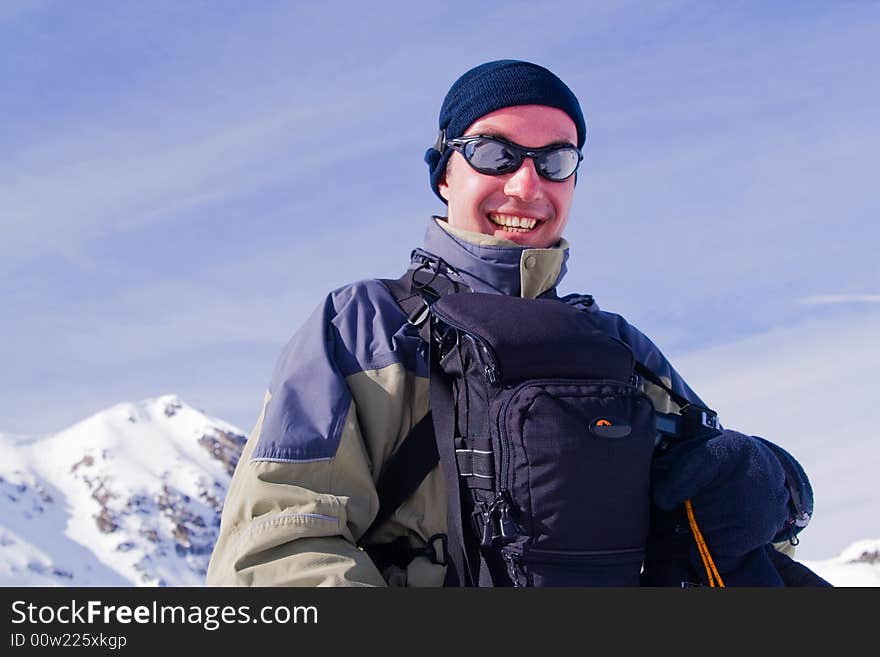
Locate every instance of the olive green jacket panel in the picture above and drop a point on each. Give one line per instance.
(298, 524)
(294, 524)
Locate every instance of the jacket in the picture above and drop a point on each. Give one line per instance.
(346, 390)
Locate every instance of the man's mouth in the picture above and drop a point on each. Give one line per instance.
(513, 223)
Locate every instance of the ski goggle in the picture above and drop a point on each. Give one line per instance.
(494, 156)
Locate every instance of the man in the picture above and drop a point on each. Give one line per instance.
(353, 381)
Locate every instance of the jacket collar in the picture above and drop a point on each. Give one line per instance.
(489, 264)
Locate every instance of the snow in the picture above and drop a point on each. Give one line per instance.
(128, 496)
(858, 565)
(131, 496)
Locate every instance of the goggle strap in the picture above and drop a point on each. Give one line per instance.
(440, 144)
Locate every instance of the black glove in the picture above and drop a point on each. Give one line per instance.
(737, 488)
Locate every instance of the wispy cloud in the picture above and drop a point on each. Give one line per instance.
(107, 179)
(827, 299)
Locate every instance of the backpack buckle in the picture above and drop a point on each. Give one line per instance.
(418, 316)
(400, 552)
(699, 422)
(430, 550)
(709, 420)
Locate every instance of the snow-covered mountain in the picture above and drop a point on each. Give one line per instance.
(857, 565)
(128, 497)
(132, 497)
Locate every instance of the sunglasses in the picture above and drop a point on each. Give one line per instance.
(494, 156)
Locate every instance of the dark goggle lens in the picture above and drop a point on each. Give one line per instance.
(557, 164)
(494, 157)
(491, 156)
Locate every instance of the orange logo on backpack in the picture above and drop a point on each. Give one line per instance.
(610, 427)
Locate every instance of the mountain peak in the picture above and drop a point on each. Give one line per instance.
(130, 495)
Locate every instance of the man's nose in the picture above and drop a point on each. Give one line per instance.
(524, 183)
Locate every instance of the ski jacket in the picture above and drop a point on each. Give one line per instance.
(346, 390)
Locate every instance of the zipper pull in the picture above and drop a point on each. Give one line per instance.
(514, 570)
(489, 531)
(490, 369)
(510, 528)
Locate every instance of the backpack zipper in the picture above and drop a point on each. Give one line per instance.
(504, 475)
(485, 352)
(498, 521)
(519, 560)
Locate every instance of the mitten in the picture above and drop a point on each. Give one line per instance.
(737, 489)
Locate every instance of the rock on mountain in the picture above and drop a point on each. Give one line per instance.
(128, 497)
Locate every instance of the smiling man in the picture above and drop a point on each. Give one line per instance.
(529, 205)
(305, 506)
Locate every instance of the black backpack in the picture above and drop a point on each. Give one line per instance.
(551, 442)
(544, 437)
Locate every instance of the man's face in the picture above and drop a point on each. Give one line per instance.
(483, 203)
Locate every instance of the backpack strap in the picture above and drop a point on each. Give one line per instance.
(405, 470)
(418, 453)
(410, 300)
(692, 421)
(412, 461)
(464, 555)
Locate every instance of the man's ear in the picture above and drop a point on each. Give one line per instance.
(443, 186)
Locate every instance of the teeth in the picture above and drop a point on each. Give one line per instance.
(522, 223)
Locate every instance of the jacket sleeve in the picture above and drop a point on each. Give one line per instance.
(800, 503)
(796, 480)
(303, 491)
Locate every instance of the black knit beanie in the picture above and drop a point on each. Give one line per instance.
(489, 87)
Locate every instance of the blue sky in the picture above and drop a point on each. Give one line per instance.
(182, 182)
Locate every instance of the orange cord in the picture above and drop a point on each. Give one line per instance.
(711, 571)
